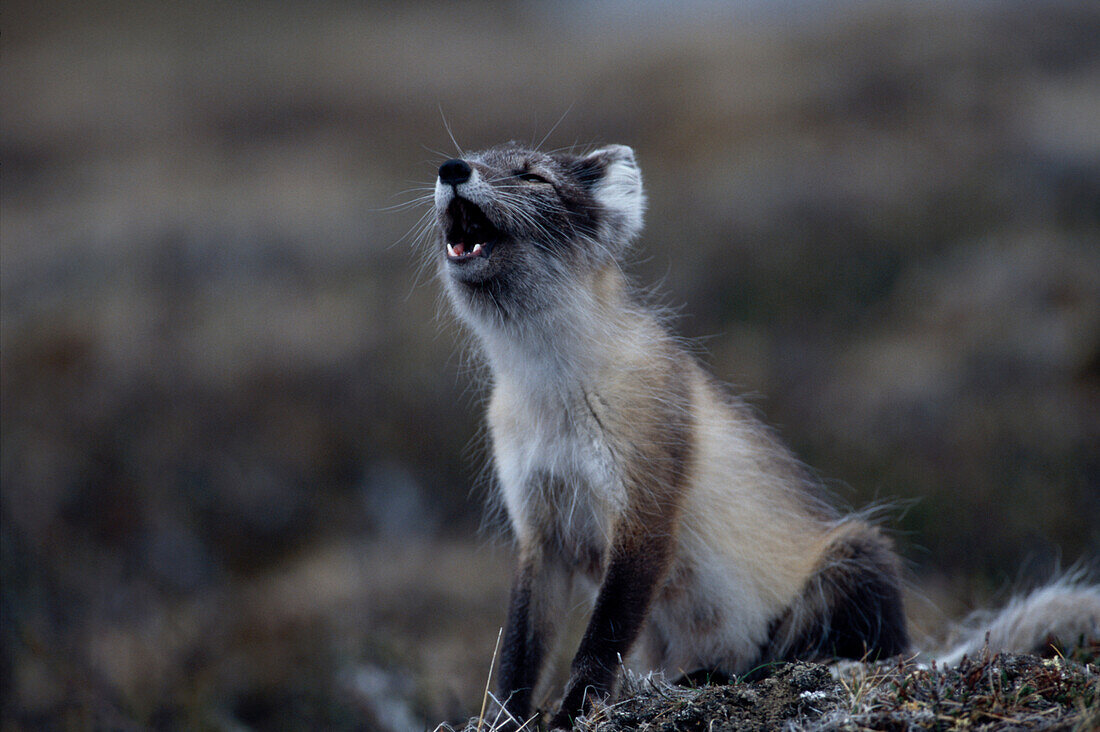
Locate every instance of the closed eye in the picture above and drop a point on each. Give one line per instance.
(531, 177)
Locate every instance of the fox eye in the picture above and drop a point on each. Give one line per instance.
(532, 177)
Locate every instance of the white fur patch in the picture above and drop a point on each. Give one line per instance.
(620, 190)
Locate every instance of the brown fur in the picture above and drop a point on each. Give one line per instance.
(850, 605)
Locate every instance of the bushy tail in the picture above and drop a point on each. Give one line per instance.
(1062, 617)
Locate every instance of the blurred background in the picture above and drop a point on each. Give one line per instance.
(241, 475)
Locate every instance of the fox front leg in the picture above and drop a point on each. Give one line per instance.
(635, 569)
(535, 605)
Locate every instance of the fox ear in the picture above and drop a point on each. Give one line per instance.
(615, 181)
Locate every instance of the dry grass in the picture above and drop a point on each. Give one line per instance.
(993, 691)
(988, 692)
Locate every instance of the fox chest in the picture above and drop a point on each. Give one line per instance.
(557, 474)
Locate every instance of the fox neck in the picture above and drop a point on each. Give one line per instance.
(563, 345)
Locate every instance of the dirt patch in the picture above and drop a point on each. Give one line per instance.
(991, 692)
(798, 692)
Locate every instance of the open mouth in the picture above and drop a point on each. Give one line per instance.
(470, 233)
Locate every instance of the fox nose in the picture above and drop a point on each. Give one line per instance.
(454, 171)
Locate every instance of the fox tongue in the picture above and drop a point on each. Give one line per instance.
(459, 248)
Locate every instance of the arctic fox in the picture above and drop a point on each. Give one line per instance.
(621, 461)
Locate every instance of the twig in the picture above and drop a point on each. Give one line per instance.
(488, 680)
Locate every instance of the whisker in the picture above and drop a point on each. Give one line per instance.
(450, 133)
(560, 120)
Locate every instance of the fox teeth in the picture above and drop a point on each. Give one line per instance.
(477, 248)
(451, 250)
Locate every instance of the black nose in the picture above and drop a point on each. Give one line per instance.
(454, 172)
